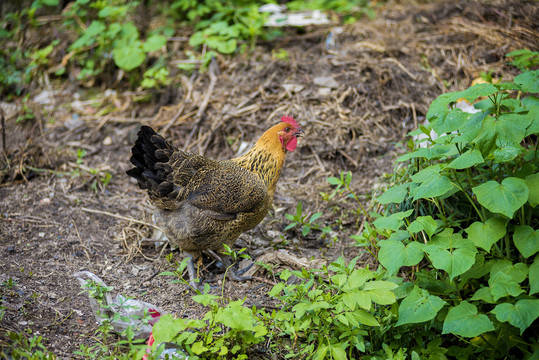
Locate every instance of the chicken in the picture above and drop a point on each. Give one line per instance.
(202, 204)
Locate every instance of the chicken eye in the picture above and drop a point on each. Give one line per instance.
(287, 129)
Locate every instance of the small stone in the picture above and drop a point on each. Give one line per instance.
(326, 81)
(45, 201)
(323, 92)
(41, 234)
(107, 141)
(293, 88)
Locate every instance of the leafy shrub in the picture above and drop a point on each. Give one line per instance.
(110, 35)
(219, 24)
(467, 222)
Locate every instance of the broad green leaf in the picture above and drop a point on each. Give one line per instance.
(419, 307)
(154, 42)
(236, 316)
(168, 327)
(380, 292)
(454, 120)
(483, 294)
(509, 128)
(521, 315)
(365, 317)
(468, 159)
(452, 253)
(388, 223)
(128, 57)
(526, 240)
(227, 46)
(439, 109)
(50, 2)
(454, 262)
(502, 285)
(464, 320)
(426, 223)
(427, 173)
(484, 235)
(504, 198)
(393, 222)
(400, 235)
(533, 113)
(534, 276)
(393, 254)
(532, 181)
(506, 151)
(432, 152)
(518, 272)
(357, 298)
(435, 186)
(357, 279)
(394, 194)
(338, 353)
(528, 81)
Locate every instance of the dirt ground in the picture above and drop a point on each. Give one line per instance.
(386, 72)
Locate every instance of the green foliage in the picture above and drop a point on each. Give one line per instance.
(224, 332)
(351, 10)
(24, 347)
(524, 59)
(306, 222)
(221, 25)
(110, 32)
(465, 212)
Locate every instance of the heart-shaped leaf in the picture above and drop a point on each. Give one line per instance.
(419, 306)
(522, 314)
(526, 240)
(484, 235)
(464, 320)
(504, 198)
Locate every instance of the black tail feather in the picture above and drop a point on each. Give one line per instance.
(149, 156)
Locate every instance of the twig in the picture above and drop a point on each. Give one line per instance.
(121, 217)
(396, 62)
(3, 131)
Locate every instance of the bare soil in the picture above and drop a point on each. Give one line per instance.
(387, 71)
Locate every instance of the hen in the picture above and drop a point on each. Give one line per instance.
(202, 204)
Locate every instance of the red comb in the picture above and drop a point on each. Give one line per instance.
(289, 119)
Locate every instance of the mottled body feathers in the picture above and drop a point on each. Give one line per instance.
(203, 203)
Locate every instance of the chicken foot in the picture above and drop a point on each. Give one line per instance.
(194, 282)
(230, 272)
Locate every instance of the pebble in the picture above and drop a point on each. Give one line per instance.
(326, 81)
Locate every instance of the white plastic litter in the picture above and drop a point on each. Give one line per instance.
(279, 18)
(140, 315)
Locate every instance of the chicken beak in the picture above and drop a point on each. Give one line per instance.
(299, 133)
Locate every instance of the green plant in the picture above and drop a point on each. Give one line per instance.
(27, 111)
(224, 332)
(524, 59)
(467, 223)
(110, 35)
(96, 178)
(221, 25)
(306, 222)
(23, 347)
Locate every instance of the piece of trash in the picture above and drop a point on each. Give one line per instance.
(303, 18)
(121, 312)
(171, 351)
